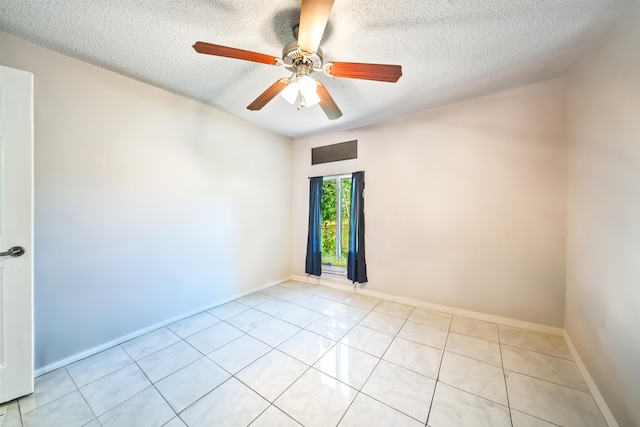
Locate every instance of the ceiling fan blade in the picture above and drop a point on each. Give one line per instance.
(356, 70)
(327, 103)
(268, 95)
(313, 19)
(230, 52)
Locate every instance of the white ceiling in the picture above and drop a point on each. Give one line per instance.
(449, 49)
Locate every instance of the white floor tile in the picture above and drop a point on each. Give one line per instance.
(193, 324)
(363, 301)
(300, 316)
(275, 307)
(306, 346)
(317, 303)
(554, 369)
(249, 319)
(475, 328)
(382, 322)
(520, 419)
(231, 405)
(348, 365)
(17, 422)
(347, 312)
(311, 378)
(307, 287)
(420, 358)
(394, 309)
(431, 318)
(304, 287)
(474, 376)
(424, 334)
(48, 387)
(316, 399)
(227, 310)
(294, 296)
(97, 366)
(254, 299)
(166, 361)
(145, 409)
(214, 337)
(175, 422)
(402, 389)
(239, 353)
(274, 417)
(455, 408)
(331, 327)
(274, 332)
(552, 402)
(10, 411)
(190, 383)
(115, 388)
(70, 410)
(476, 348)
(365, 411)
(274, 291)
(534, 341)
(272, 374)
(368, 340)
(150, 343)
(335, 294)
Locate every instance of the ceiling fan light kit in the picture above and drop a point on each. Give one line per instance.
(304, 57)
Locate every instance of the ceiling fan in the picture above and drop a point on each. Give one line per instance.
(304, 57)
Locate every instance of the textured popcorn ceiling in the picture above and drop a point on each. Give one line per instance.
(449, 49)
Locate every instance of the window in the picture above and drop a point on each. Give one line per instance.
(335, 239)
(336, 200)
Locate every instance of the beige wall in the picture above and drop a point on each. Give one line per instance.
(465, 204)
(603, 258)
(147, 205)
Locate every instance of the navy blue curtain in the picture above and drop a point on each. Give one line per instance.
(313, 264)
(356, 263)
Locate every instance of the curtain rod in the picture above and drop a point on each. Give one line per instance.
(334, 175)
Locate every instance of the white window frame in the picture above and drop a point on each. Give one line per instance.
(334, 269)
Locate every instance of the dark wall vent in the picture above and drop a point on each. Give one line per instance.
(335, 152)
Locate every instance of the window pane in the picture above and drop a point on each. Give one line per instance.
(329, 212)
(336, 197)
(345, 206)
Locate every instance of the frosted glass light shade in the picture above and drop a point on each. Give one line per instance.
(311, 98)
(308, 89)
(290, 93)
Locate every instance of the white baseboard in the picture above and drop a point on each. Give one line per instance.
(597, 396)
(90, 352)
(346, 285)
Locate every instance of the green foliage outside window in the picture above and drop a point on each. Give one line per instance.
(331, 254)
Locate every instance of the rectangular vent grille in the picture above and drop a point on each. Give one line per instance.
(335, 152)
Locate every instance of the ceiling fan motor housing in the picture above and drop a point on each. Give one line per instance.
(292, 57)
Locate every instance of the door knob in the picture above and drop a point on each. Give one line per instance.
(14, 251)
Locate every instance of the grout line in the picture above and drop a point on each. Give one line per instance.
(80, 393)
(435, 387)
(175, 414)
(382, 358)
(335, 341)
(504, 377)
(548, 381)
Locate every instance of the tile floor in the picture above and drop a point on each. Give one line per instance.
(297, 354)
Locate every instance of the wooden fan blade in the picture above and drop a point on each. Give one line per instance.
(268, 95)
(355, 70)
(313, 19)
(327, 103)
(231, 52)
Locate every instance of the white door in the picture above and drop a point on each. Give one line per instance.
(16, 231)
